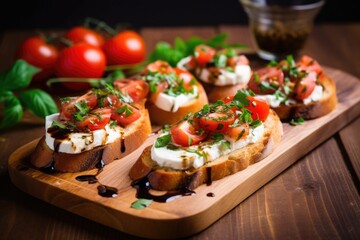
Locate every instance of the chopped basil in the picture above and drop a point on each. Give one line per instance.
(163, 141)
(141, 203)
(113, 124)
(296, 121)
(125, 109)
(225, 145)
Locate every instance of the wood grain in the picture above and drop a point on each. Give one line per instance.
(187, 215)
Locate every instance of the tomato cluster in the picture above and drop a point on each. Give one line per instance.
(207, 56)
(88, 54)
(96, 108)
(287, 77)
(232, 116)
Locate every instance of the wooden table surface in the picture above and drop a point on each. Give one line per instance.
(315, 198)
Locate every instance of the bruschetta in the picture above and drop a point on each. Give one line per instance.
(219, 140)
(92, 130)
(173, 93)
(295, 90)
(222, 72)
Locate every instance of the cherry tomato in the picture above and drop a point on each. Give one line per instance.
(305, 86)
(80, 61)
(125, 114)
(68, 107)
(308, 64)
(186, 77)
(238, 132)
(137, 89)
(82, 34)
(161, 87)
(158, 66)
(259, 108)
(204, 54)
(218, 119)
(37, 52)
(185, 134)
(96, 119)
(127, 47)
(110, 101)
(266, 80)
(237, 60)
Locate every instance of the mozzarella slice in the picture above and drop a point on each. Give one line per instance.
(80, 142)
(173, 103)
(196, 156)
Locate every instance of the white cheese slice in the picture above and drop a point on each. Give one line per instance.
(80, 142)
(185, 158)
(173, 103)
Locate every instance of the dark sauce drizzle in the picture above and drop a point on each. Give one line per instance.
(143, 188)
(123, 148)
(49, 169)
(103, 190)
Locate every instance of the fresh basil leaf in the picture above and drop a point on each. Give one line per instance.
(296, 121)
(217, 41)
(180, 45)
(141, 203)
(38, 102)
(18, 76)
(163, 141)
(12, 113)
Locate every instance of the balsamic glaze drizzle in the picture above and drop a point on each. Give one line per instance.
(103, 190)
(143, 188)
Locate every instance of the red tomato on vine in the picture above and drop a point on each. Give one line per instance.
(80, 61)
(37, 52)
(126, 47)
(83, 34)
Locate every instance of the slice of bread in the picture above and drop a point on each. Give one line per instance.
(215, 93)
(161, 117)
(167, 179)
(312, 110)
(134, 135)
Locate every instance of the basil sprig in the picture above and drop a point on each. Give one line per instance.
(183, 48)
(16, 79)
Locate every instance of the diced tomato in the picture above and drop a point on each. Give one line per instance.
(110, 101)
(266, 80)
(185, 134)
(186, 77)
(136, 89)
(238, 132)
(305, 86)
(218, 119)
(68, 105)
(308, 64)
(237, 60)
(259, 108)
(203, 54)
(161, 87)
(95, 120)
(125, 114)
(159, 66)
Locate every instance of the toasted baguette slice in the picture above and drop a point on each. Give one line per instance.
(312, 110)
(215, 93)
(169, 179)
(134, 135)
(161, 117)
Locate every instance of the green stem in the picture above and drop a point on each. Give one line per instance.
(81, 80)
(99, 25)
(124, 66)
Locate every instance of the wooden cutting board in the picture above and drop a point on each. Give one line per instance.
(186, 215)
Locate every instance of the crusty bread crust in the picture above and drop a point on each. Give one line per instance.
(161, 117)
(168, 179)
(134, 135)
(314, 109)
(215, 93)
